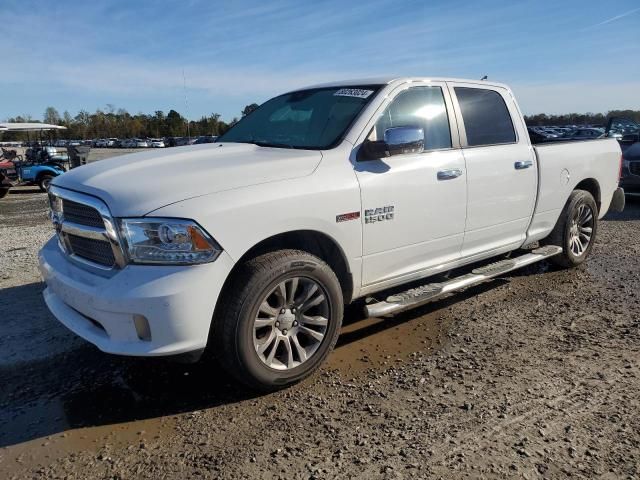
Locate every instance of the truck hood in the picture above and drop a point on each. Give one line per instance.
(136, 184)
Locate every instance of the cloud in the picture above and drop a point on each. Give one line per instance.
(613, 19)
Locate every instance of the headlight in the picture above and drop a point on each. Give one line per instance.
(55, 204)
(168, 241)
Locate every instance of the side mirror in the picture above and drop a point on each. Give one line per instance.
(400, 140)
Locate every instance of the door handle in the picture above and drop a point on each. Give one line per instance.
(523, 165)
(449, 174)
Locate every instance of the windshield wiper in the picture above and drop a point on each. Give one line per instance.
(272, 145)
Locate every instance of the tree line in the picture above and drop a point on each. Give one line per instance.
(118, 123)
(581, 118)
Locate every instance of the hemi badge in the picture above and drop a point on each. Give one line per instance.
(347, 216)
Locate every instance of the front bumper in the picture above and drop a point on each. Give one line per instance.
(176, 301)
(629, 181)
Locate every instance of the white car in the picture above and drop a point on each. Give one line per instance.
(320, 197)
(157, 143)
(139, 143)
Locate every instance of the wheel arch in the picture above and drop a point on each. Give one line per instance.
(44, 172)
(312, 241)
(592, 186)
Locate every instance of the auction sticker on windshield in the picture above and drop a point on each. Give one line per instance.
(353, 92)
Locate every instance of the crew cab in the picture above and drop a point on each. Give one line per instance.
(318, 198)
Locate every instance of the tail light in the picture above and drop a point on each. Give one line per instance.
(620, 169)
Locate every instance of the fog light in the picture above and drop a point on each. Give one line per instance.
(142, 327)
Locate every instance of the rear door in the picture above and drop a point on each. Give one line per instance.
(414, 204)
(501, 168)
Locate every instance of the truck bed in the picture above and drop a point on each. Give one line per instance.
(560, 165)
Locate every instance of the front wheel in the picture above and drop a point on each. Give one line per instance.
(575, 230)
(279, 318)
(44, 182)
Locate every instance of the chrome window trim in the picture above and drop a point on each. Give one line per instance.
(510, 104)
(109, 233)
(397, 90)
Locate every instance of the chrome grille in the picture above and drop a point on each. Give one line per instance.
(81, 214)
(634, 168)
(86, 230)
(98, 251)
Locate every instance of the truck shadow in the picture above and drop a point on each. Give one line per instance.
(24, 191)
(53, 381)
(631, 211)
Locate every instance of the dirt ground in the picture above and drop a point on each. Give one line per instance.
(534, 375)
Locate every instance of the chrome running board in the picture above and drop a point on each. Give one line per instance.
(416, 297)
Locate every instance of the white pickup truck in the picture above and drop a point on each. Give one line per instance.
(250, 246)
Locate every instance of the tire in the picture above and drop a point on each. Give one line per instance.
(580, 214)
(4, 191)
(44, 182)
(256, 295)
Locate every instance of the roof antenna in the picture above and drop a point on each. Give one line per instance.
(484, 78)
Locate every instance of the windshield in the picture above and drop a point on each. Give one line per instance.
(313, 119)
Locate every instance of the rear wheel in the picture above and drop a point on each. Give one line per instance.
(44, 182)
(575, 230)
(279, 318)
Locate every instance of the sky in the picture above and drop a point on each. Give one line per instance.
(559, 57)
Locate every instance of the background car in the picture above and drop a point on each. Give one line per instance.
(205, 139)
(585, 134)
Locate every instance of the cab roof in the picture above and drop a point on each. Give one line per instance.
(400, 80)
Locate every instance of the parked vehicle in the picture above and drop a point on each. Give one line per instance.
(139, 143)
(320, 197)
(42, 163)
(630, 180)
(112, 142)
(7, 174)
(157, 143)
(5, 185)
(205, 139)
(585, 134)
(539, 136)
(182, 141)
(38, 174)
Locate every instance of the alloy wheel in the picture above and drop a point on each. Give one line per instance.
(291, 323)
(581, 230)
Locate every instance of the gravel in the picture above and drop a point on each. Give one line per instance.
(535, 375)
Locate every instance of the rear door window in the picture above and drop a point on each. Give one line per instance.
(486, 118)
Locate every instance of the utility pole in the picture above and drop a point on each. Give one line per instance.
(186, 104)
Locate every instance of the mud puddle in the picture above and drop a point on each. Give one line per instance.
(366, 343)
(84, 400)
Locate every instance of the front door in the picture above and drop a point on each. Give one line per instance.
(414, 205)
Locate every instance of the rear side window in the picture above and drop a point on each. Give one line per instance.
(486, 117)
